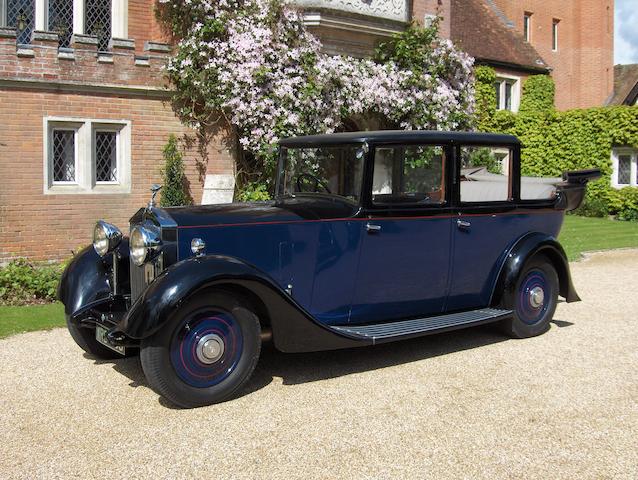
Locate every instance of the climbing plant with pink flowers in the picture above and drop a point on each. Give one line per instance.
(253, 64)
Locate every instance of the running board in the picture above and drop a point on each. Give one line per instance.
(390, 331)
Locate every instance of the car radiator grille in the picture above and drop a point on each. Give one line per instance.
(138, 281)
(142, 277)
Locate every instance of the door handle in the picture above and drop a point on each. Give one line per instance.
(462, 224)
(371, 228)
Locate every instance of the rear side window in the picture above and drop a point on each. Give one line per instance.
(409, 175)
(485, 174)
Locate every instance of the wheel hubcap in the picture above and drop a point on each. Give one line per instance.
(206, 347)
(533, 297)
(536, 297)
(210, 348)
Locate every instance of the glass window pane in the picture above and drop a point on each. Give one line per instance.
(21, 16)
(61, 20)
(409, 175)
(63, 152)
(508, 96)
(98, 22)
(497, 88)
(527, 19)
(105, 156)
(624, 169)
(482, 174)
(324, 170)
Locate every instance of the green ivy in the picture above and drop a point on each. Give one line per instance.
(538, 95)
(485, 98)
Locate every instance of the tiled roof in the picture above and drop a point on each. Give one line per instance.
(483, 31)
(625, 85)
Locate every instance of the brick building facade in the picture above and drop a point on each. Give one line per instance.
(84, 113)
(576, 39)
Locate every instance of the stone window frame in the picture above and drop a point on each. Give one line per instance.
(515, 81)
(616, 153)
(85, 181)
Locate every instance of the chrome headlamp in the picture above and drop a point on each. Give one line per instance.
(144, 243)
(106, 238)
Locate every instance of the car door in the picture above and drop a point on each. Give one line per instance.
(405, 240)
(486, 223)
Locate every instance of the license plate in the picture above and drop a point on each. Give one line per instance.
(100, 336)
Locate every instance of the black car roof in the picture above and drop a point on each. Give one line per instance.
(400, 136)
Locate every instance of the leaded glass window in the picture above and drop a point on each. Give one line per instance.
(106, 156)
(61, 20)
(63, 153)
(624, 170)
(98, 22)
(21, 16)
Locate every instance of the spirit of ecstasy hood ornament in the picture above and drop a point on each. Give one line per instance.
(154, 189)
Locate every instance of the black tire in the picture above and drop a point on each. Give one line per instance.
(531, 316)
(171, 358)
(85, 338)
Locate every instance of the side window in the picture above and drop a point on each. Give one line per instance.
(485, 174)
(412, 175)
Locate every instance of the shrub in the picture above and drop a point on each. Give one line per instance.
(253, 192)
(629, 205)
(175, 188)
(22, 283)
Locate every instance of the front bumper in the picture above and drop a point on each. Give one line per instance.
(107, 312)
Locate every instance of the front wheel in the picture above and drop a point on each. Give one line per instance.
(208, 352)
(533, 300)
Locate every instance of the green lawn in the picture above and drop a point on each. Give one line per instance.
(581, 234)
(32, 317)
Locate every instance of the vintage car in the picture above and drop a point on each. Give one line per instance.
(372, 237)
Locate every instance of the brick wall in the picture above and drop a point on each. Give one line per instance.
(142, 25)
(421, 8)
(41, 61)
(583, 65)
(44, 226)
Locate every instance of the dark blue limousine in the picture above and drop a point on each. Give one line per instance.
(372, 237)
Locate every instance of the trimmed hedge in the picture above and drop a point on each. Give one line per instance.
(554, 142)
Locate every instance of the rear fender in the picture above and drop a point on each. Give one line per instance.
(525, 248)
(293, 329)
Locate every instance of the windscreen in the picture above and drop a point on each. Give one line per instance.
(325, 170)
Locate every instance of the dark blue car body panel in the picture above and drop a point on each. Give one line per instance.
(340, 274)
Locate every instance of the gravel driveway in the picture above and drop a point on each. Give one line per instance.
(468, 404)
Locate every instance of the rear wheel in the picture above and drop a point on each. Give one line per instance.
(207, 354)
(533, 300)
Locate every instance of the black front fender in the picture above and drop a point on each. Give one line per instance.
(85, 280)
(88, 278)
(294, 329)
(525, 248)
